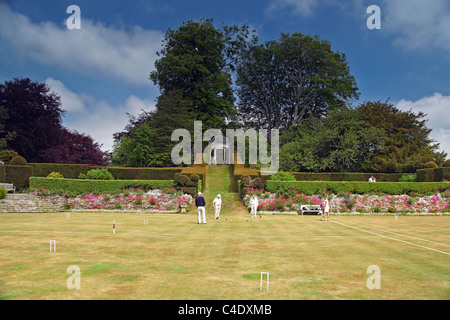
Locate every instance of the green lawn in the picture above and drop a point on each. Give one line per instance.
(172, 257)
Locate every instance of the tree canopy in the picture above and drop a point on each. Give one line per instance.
(339, 142)
(32, 119)
(280, 83)
(407, 142)
(148, 142)
(197, 59)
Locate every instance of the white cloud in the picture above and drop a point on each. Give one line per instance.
(417, 23)
(301, 7)
(70, 101)
(95, 49)
(97, 118)
(437, 109)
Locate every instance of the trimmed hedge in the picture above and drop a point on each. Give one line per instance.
(239, 171)
(393, 188)
(2, 174)
(81, 186)
(125, 173)
(69, 171)
(18, 175)
(346, 176)
(433, 175)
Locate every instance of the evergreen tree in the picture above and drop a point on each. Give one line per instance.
(197, 59)
(149, 142)
(407, 145)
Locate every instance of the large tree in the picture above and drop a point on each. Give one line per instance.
(280, 83)
(147, 140)
(198, 59)
(4, 135)
(407, 142)
(35, 115)
(340, 142)
(32, 118)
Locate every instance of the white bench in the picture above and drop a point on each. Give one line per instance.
(8, 187)
(309, 208)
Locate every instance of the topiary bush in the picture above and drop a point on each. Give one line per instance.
(430, 165)
(195, 177)
(55, 175)
(7, 155)
(184, 180)
(283, 176)
(18, 161)
(97, 174)
(412, 177)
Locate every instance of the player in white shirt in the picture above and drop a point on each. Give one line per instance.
(217, 203)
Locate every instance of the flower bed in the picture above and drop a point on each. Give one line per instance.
(349, 203)
(131, 199)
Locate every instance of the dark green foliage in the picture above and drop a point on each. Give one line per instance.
(283, 176)
(97, 174)
(430, 165)
(407, 142)
(340, 142)
(196, 61)
(241, 173)
(194, 177)
(346, 176)
(18, 161)
(33, 126)
(144, 173)
(335, 187)
(70, 171)
(281, 83)
(446, 163)
(84, 186)
(7, 155)
(148, 143)
(3, 192)
(411, 177)
(2, 174)
(436, 174)
(184, 180)
(18, 175)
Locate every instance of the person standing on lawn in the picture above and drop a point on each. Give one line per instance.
(253, 205)
(326, 209)
(201, 212)
(217, 203)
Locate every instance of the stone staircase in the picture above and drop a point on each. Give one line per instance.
(27, 203)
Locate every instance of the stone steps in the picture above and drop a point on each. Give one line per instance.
(27, 203)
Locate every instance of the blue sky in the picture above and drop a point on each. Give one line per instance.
(101, 71)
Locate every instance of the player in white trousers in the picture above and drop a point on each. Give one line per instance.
(217, 203)
(253, 205)
(200, 203)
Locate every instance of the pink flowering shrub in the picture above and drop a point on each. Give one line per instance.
(347, 202)
(130, 199)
